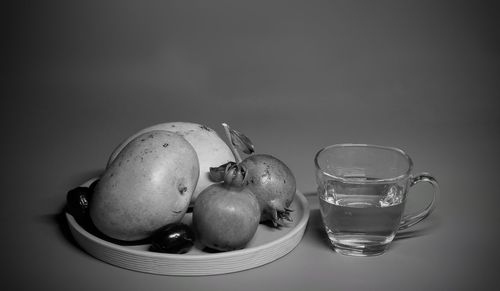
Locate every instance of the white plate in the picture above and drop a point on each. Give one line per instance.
(267, 245)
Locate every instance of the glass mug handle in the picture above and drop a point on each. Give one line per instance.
(412, 219)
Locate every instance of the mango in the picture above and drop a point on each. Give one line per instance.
(212, 151)
(147, 185)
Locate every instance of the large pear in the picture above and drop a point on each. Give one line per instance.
(212, 151)
(147, 185)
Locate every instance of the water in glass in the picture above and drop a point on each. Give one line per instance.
(361, 218)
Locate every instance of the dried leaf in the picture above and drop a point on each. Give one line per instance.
(241, 141)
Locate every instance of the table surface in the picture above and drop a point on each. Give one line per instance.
(294, 77)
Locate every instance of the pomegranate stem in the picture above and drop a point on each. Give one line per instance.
(231, 145)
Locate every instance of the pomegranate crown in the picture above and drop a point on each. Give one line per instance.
(233, 173)
(230, 173)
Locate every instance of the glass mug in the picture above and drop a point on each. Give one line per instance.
(362, 191)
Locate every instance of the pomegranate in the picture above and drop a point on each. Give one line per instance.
(273, 184)
(267, 177)
(225, 216)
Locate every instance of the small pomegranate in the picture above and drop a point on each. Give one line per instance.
(225, 216)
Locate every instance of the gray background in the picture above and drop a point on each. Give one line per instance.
(295, 76)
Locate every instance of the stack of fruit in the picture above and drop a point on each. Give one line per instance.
(153, 177)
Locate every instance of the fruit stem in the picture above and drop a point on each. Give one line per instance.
(231, 145)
